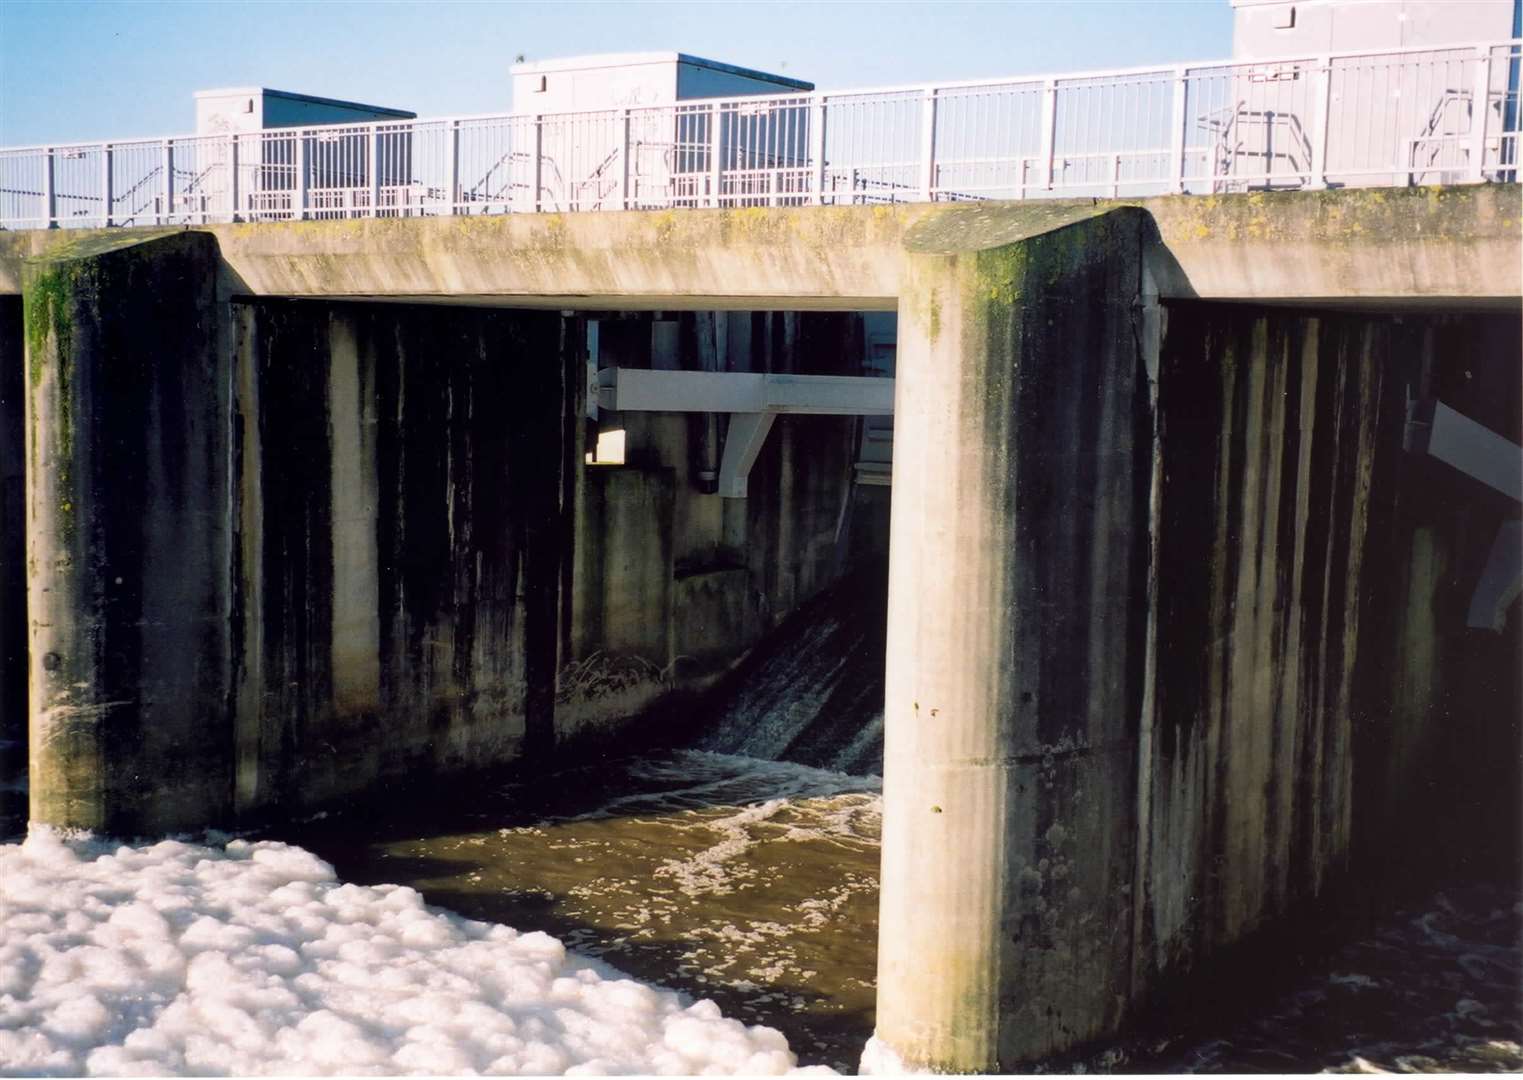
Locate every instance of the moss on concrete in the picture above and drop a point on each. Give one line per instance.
(1357, 243)
(1341, 216)
(46, 311)
(51, 291)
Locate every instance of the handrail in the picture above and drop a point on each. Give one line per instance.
(1153, 128)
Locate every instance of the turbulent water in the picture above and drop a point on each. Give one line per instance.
(752, 883)
(755, 883)
(813, 694)
(1433, 988)
(726, 874)
(746, 870)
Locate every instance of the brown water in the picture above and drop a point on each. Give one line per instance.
(753, 883)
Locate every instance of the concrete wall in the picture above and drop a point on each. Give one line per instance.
(279, 553)
(1320, 707)
(400, 526)
(1268, 436)
(1439, 734)
(1175, 633)
(13, 679)
(283, 552)
(1018, 588)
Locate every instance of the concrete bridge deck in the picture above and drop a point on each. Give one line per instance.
(1451, 245)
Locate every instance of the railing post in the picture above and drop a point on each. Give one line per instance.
(375, 170)
(1177, 134)
(539, 162)
(105, 184)
(716, 152)
(1049, 131)
(1480, 114)
(299, 192)
(624, 149)
(453, 157)
(169, 181)
(49, 190)
(1322, 117)
(232, 177)
(928, 145)
(817, 149)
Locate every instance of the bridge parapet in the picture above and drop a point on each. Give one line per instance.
(1397, 118)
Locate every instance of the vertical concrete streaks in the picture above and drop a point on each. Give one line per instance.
(1251, 790)
(356, 644)
(410, 529)
(247, 622)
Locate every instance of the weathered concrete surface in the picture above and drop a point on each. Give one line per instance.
(386, 535)
(1320, 707)
(1438, 736)
(1269, 434)
(1017, 588)
(13, 677)
(1136, 672)
(1176, 634)
(400, 524)
(1459, 245)
(128, 534)
(619, 654)
(1365, 245)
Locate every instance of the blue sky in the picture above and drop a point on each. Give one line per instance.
(88, 70)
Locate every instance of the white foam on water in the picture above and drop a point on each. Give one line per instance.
(252, 959)
(880, 1059)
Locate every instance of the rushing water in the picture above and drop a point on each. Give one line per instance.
(726, 873)
(753, 883)
(1436, 987)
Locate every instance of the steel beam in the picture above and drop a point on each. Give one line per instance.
(742, 446)
(640, 390)
(1501, 581)
(752, 399)
(1476, 451)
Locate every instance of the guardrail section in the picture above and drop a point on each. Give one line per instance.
(1414, 116)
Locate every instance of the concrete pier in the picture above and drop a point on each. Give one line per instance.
(127, 474)
(1164, 631)
(1018, 564)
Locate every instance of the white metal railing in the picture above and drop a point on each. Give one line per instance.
(1375, 118)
